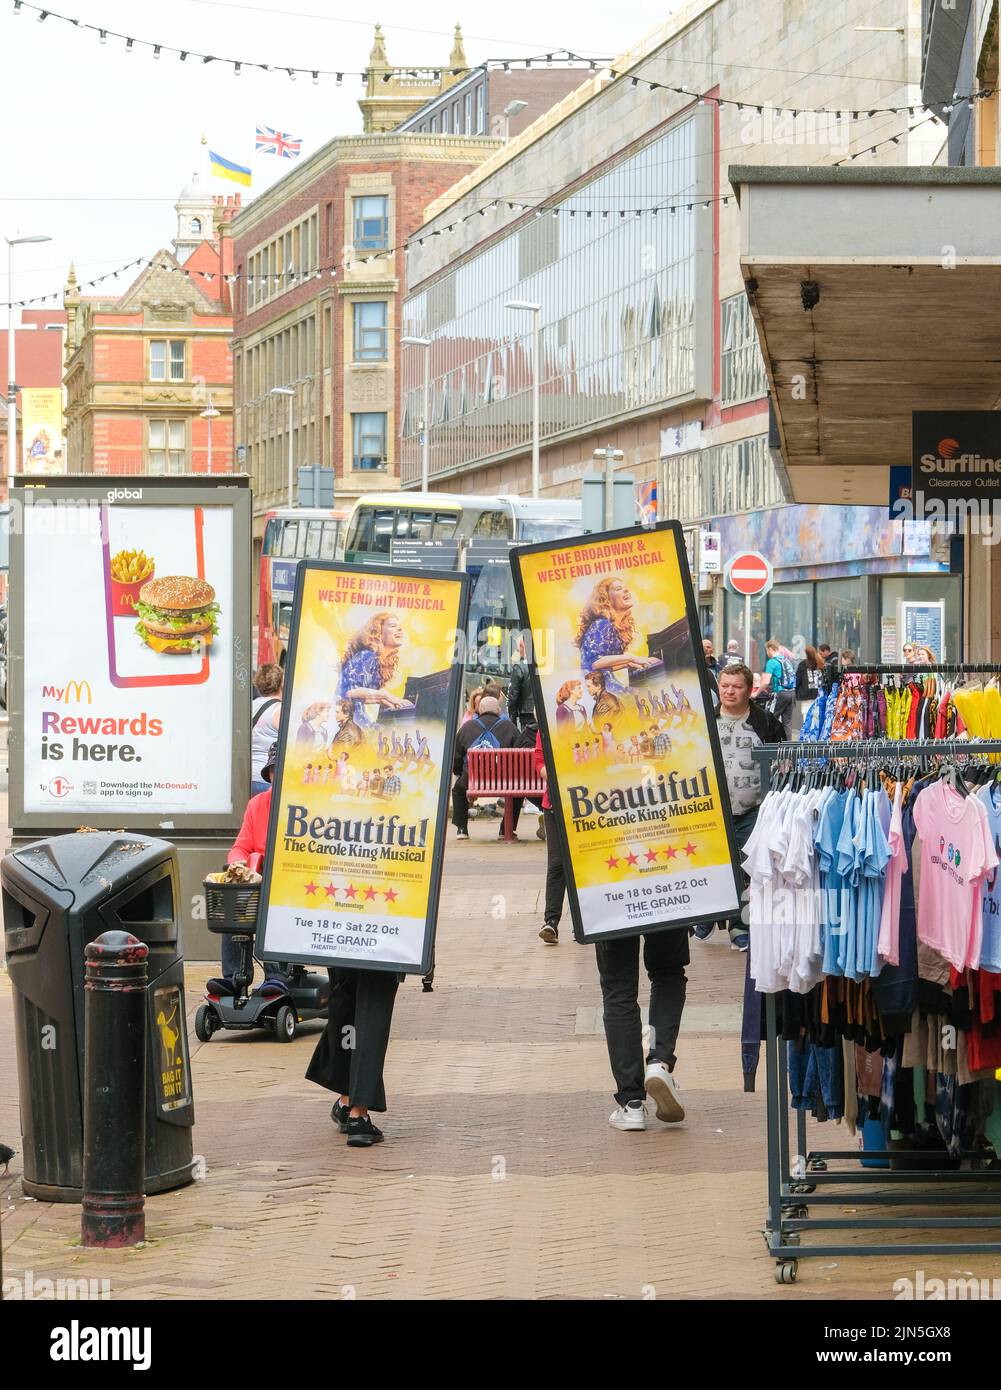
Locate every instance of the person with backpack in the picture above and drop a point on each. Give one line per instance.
(488, 728)
(265, 716)
(778, 684)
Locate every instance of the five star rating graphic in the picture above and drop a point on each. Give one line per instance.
(650, 855)
(352, 892)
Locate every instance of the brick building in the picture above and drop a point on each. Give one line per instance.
(143, 365)
(38, 362)
(319, 271)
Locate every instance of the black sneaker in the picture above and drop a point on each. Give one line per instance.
(339, 1114)
(549, 933)
(362, 1132)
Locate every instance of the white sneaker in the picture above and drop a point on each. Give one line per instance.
(663, 1090)
(629, 1116)
(462, 834)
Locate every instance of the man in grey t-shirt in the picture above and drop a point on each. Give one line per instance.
(743, 725)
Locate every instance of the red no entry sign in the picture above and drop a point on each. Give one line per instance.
(748, 573)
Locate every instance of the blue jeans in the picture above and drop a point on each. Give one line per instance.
(257, 787)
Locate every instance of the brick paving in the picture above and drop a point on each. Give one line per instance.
(500, 1177)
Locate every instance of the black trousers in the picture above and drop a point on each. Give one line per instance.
(350, 1055)
(665, 955)
(556, 885)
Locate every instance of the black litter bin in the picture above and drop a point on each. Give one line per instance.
(58, 895)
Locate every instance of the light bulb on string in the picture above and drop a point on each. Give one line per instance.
(156, 50)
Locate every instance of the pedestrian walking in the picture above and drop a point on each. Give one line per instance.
(638, 1075)
(265, 716)
(809, 681)
(556, 884)
(778, 683)
(743, 726)
(520, 695)
(351, 1054)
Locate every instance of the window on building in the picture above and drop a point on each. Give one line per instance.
(481, 108)
(167, 446)
(456, 118)
(468, 102)
(445, 122)
(370, 330)
(371, 215)
(369, 440)
(166, 356)
(434, 125)
(742, 368)
(196, 225)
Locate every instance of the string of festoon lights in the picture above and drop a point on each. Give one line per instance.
(890, 140)
(130, 45)
(290, 277)
(555, 58)
(841, 113)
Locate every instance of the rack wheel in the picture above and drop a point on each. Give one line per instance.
(817, 1165)
(206, 1022)
(785, 1272)
(803, 1188)
(797, 1213)
(790, 1237)
(285, 1023)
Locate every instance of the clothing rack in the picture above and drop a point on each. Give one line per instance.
(941, 668)
(793, 1179)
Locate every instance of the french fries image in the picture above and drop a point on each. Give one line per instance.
(131, 566)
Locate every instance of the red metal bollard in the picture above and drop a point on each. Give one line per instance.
(114, 1101)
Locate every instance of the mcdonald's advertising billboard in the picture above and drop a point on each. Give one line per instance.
(135, 663)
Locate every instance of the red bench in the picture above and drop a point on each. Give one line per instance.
(503, 772)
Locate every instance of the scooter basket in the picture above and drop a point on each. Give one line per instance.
(231, 908)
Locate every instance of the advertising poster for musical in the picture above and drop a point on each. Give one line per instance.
(357, 829)
(629, 730)
(42, 429)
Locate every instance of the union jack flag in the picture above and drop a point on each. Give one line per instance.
(277, 142)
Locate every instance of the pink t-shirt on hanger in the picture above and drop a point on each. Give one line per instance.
(957, 849)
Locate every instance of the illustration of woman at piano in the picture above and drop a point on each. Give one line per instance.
(370, 662)
(605, 632)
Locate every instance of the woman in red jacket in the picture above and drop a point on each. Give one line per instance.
(555, 878)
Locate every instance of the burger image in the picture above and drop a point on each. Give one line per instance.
(177, 614)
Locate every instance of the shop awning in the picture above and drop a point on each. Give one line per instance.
(876, 292)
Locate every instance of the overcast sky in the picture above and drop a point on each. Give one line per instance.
(100, 141)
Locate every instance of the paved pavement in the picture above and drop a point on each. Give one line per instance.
(500, 1177)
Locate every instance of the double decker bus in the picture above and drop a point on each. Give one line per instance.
(291, 534)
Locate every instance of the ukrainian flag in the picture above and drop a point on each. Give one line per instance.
(226, 169)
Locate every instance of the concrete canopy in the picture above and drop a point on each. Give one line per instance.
(876, 292)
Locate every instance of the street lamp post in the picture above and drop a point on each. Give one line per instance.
(210, 413)
(535, 310)
(425, 343)
(290, 392)
(11, 378)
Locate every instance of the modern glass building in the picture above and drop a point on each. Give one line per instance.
(613, 264)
